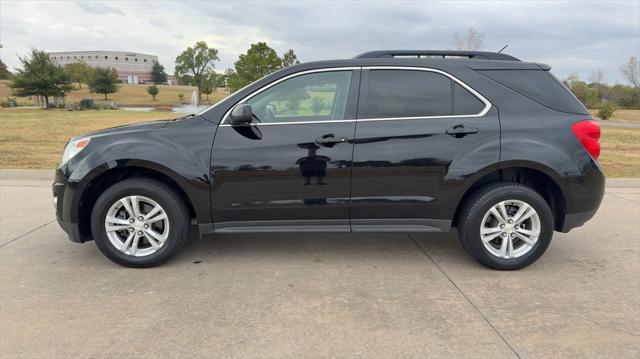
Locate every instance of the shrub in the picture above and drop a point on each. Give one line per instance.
(607, 110)
(153, 91)
(87, 103)
(181, 97)
(10, 102)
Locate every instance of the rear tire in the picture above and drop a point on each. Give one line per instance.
(140, 223)
(505, 226)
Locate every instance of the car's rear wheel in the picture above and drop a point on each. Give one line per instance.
(506, 226)
(140, 223)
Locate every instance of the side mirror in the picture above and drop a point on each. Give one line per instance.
(241, 114)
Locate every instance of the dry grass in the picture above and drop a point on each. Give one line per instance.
(129, 95)
(34, 138)
(620, 155)
(625, 116)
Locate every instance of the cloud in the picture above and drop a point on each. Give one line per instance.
(572, 36)
(99, 8)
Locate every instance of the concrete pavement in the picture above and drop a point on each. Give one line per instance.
(323, 295)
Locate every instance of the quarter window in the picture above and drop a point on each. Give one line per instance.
(411, 93)
(311, 97)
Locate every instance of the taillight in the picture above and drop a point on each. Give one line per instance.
(588, 133)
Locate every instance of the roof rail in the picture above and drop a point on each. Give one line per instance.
(478, 55)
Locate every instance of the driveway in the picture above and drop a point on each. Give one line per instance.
(324, 295)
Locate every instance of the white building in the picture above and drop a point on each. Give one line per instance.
(132, 67)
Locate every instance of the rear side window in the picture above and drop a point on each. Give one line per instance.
(539, 86)
(464, 103)
(410, 93)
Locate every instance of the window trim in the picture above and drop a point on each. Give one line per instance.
(488, 105)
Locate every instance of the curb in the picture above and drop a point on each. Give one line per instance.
(47, 175)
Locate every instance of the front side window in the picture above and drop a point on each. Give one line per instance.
(311, 97)
(411, 93)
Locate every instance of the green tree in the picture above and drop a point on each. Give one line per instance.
(158, 76)
(104, 81)
(40, 76)
(79, 72)
(153, 91)
(212, 82)
(289, 58)
(259, 61)
(4, 72)
(196, 61)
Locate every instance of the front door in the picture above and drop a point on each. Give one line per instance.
(289, 170)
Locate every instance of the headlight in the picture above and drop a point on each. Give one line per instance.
(73, 148)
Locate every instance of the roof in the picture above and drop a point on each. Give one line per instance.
(477, 55)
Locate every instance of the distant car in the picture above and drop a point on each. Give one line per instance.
(390, 141)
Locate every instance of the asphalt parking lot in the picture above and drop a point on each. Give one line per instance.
(324, 295)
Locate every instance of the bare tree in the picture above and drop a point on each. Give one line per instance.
(597, 76)
(631, 71)
(471, 41)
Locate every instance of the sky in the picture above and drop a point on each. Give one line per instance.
(574, 37)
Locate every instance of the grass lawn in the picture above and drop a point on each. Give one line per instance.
(35, 138)
(129, 95)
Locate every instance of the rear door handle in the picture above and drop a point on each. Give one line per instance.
(459, 131)
(330, 140)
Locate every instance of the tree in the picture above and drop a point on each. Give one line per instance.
(213, 81)
(158, 76)
(4, 72)
(79, 72)
(198, 62)
(153, 91)
(631, 71)
(597, 76)
(289, 58)
(104, 81)
(472, 41)
(259, 61)
(40, 76)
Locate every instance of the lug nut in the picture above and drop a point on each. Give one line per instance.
(503, 234)
(131, 220)
(130, 229)
(517, 227)
(139, 233)
(501, 226)
(140, 218)
(510, 221)
(146, 226)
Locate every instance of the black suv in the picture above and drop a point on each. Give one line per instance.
(390, 141)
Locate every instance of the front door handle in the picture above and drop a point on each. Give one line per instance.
(330, 140)
(459, 131)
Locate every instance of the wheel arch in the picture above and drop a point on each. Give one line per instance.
(104, 176)
(542, 180)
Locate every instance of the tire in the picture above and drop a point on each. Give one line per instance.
(158, 239)
(521, 246)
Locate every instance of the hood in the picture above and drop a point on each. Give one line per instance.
(144, 126)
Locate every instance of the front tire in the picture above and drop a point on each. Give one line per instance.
(505, 226)
(140, 223)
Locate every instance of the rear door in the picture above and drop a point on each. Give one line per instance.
(290, 169)
(420, 134)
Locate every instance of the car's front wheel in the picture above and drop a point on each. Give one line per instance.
(140, 222)
(506, 226)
